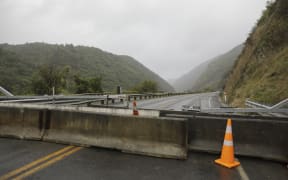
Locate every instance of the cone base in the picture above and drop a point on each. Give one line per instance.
(135, 113)
(228, 165)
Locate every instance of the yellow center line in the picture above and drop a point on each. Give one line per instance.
(46, 164)
(34, 163)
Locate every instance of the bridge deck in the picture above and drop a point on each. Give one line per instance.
(98, 163)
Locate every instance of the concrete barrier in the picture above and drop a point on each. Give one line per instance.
(161, 137)
(253, 136)
(257, 138)
(21, 123)
(154, 136)
(266, 139)
(11, 122)
(151, 135)
(110, 111)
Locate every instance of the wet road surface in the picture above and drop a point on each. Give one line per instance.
(99, 163)
(203, 100)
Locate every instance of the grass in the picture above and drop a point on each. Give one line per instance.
(261, 71)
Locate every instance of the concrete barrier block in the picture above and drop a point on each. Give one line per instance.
(261, 138)
(33, 124)
(11, 122)
(256, 138)
(161, 137)
(20, 123)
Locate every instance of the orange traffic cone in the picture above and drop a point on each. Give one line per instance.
(135, 111)
(227, 154)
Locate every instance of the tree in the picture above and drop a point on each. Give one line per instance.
(146, 86)
(95, 84)
(49, 76)
(92, 85)
(81, 85)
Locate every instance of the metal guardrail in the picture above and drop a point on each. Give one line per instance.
(255, 104)
(78, 99)
(258, 105)
(280, 104)
(244, 110)
(5, 92)
(254, 108)
(272, 110)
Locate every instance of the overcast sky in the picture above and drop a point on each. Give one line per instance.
(168, 36)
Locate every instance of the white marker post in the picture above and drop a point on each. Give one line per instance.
(225, 98)
(53, 94)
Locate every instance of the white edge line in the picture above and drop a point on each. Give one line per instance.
(242, 173)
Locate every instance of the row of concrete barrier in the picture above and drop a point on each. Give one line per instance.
(149, 135)
(255, 136)
(171, 135)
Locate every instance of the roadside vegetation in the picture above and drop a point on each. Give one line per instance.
(146, 87)
(24, 69)
(63, 81)
(261, 71)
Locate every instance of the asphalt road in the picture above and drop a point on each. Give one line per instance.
(21, 159)
(98, 163)
(203, 100)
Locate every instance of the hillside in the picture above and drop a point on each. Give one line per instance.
(210, 75)
(261, 71)
(187, 81)
(18, 63)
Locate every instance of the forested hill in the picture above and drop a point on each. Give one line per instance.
(18, 64)
(261, 71)
(210, 75)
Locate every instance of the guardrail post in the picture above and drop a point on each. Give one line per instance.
(102, 102)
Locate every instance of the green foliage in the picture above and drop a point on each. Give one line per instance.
(13, 78)
(270, 7)
(81, 85)
(92, 85)
(19, 62)
(95, 85)
(146, 87)
(261, 70)
(47, 77)
(210, 75)
(213, 78)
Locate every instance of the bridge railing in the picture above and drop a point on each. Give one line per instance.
(254, 108)
(83, 99)
(281, 104)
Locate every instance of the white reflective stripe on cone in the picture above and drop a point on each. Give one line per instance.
(228, 129)
(228, 143)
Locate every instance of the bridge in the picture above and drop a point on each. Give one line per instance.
(83, 137)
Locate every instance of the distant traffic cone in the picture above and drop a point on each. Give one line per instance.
(135, 111)
(227, 154)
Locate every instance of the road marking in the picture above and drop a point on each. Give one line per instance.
(34, 163)
(48, 163)
(242, 173)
